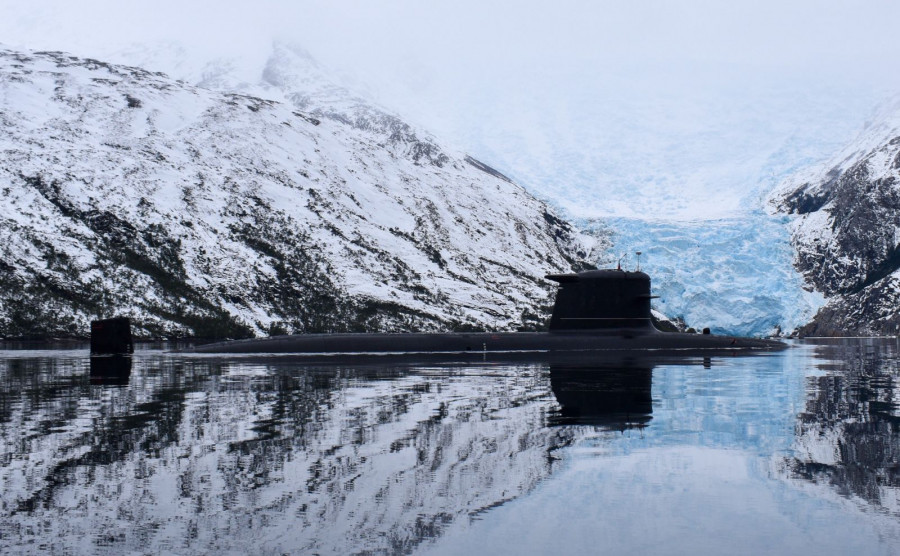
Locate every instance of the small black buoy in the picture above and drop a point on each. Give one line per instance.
(111, 336)
(706, 330)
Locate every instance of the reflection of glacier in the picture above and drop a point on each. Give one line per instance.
(849, 435)
(203, 456)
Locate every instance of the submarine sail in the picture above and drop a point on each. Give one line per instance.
(601, 300)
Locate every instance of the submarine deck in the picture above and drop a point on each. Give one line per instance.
(622, 340)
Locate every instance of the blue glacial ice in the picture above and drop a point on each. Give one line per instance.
(733, 275)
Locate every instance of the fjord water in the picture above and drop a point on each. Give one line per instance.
(777, 453)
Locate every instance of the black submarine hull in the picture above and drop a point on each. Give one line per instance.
(617, 340)
(599, 311)
(596, 312)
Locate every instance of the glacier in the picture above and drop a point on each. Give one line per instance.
(683, 177)
(715, 273)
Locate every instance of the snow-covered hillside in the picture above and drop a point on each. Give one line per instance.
(846, 231)
(124, 191)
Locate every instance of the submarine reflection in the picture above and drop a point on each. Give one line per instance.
(110, 370)
(613, 395)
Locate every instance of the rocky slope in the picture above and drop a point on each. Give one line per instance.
(123, 191)
(847, 230)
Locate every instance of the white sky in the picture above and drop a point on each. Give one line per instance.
(477, 38)
(655, 78)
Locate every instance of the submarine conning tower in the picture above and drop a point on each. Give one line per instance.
(601, 300)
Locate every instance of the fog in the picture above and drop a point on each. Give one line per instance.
(422, 42)
(701, 105)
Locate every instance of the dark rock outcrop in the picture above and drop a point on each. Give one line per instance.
(847, 231)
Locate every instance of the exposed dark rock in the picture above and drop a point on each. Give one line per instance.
(846, 237)
(485, 168)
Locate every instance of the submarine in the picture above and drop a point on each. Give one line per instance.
(595, 311)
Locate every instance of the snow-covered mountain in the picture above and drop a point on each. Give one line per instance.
(736, 277)
(200, 212)
(846, 231)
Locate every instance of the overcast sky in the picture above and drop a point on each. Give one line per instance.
(453, 64)
(469, 37)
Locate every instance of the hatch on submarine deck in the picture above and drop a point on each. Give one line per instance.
(594, 311)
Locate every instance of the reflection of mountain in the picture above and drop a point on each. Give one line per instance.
(614, 396)
(200, 456)
(849, 435)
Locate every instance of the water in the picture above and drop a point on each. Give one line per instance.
(781, 453)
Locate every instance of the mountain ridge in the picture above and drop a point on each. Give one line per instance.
(203, 213)
(846, 229)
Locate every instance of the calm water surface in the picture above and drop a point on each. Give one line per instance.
(794, 452)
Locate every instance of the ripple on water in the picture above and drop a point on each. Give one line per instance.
(183, 454)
